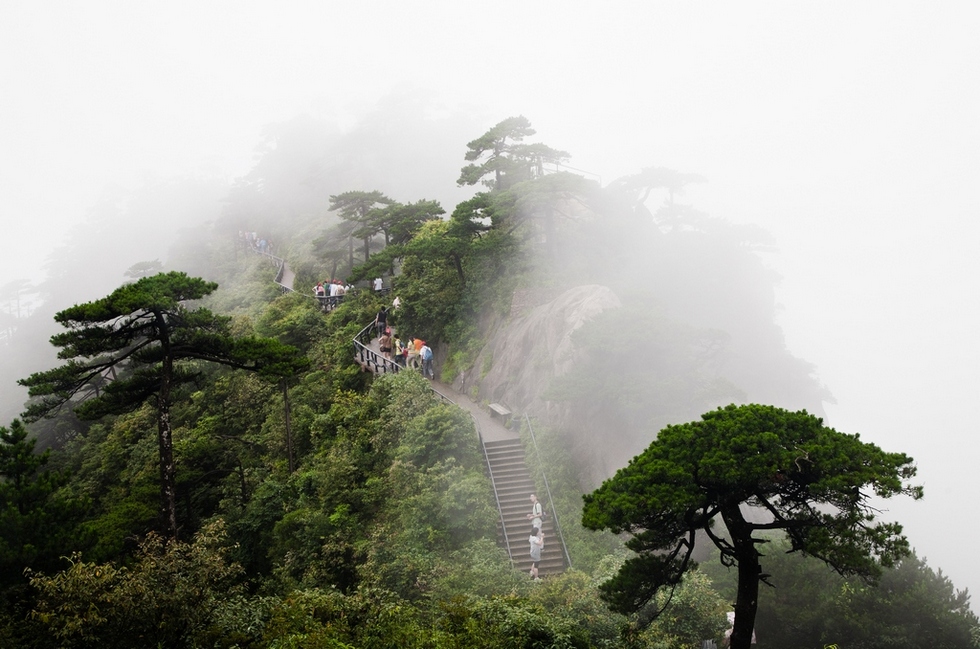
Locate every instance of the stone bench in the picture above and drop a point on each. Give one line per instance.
(499, 410)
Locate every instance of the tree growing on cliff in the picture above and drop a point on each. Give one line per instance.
(803, 478)
(506, 156)
(143, 334)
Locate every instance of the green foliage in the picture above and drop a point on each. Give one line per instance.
(167, 597)
(36, 519)
(479, 569)
(813, 481)
(692, 612)
(329, 620)
(574, 598)
(115, 468)
(507, 623)
(508, 159)
(251, 525)
(314, 546)
(294, 320)
(441, 433)
(145, 336)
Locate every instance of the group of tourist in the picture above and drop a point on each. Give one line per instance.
(331, 292)
(252, 240)
(414, 354)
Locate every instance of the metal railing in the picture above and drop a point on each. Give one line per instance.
(496, 494)
(382, 365)
(368, 357)
(280, 265)
(547, 488)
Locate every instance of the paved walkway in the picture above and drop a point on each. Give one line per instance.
(491, 428)
(288, 277)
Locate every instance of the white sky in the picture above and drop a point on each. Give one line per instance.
(848, 130)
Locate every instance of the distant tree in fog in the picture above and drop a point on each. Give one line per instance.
(356, 207)
(11, 294)
(398, 221)
(144, 269)
(639, 186)
(506, 156)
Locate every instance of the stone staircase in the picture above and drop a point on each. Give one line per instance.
(514, 487)
(510, 476)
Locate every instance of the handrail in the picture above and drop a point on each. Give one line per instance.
(327, 303)
(547, 487)
(369, 356)
(280, 268)
(496, 494)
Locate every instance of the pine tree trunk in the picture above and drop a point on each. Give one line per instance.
(749, 569)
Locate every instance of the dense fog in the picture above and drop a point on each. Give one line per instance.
(844, 137)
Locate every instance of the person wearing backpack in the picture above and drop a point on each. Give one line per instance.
(537, 513)
(426, 355)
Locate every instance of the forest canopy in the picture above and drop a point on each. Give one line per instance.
(310, 503)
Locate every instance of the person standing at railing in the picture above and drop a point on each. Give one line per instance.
(341, 292)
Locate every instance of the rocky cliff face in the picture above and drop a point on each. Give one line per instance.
(532, 348)
(637, 367)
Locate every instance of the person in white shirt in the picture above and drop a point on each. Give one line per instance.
(536, 540)
(535, 515)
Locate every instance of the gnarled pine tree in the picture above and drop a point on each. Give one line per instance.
(146, 328)
(801, 477)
